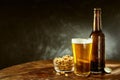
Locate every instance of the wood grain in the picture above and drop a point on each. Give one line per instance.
(43, 70)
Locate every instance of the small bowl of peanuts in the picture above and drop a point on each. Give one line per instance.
(63, 64)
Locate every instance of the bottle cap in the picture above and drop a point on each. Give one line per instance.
(108, 70)
(97, 8)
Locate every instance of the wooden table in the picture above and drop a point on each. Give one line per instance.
(43, 70)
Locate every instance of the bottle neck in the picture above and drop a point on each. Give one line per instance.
(97, 20)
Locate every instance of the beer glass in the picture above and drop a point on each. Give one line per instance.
(82, 56)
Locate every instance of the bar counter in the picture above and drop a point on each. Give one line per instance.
(43, 70)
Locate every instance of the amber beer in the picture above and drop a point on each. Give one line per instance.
(82, 55)
(98, 46)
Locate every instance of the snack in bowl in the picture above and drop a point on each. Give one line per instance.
(63, 64)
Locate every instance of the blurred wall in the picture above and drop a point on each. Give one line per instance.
(42, 29)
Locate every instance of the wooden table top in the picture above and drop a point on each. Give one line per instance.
(43, 70)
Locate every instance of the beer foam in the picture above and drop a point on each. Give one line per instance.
(81, 41)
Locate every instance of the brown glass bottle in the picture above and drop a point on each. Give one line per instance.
(98, 46)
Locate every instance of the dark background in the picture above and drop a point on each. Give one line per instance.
(42, 29)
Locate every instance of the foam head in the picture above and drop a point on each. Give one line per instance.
(81, 40)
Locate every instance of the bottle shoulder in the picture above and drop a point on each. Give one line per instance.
(97, 33)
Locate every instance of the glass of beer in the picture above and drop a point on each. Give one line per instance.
(82, 56)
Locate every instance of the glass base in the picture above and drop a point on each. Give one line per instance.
(83, 74)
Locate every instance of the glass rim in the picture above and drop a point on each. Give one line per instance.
(81, 40)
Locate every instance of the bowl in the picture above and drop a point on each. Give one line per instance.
(63, 64)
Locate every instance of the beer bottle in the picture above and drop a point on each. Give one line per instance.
(98, 46)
